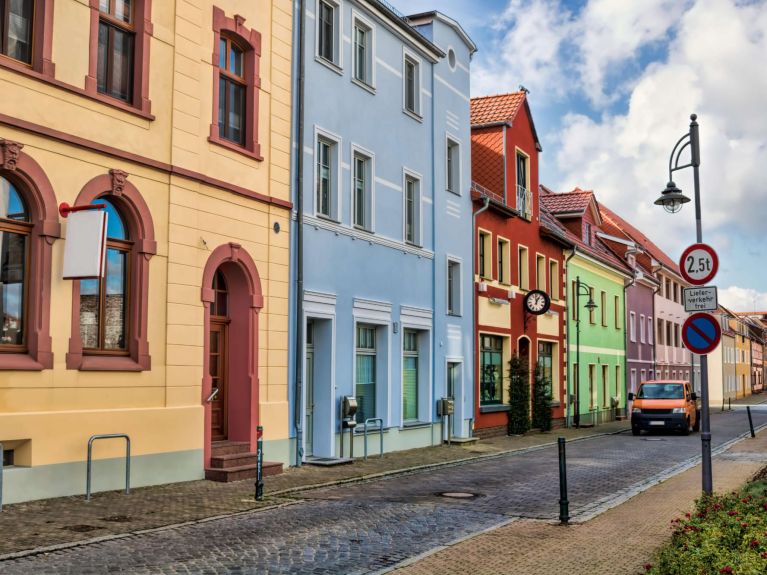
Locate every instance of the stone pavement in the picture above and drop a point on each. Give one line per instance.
(67, 520)
(619, 541)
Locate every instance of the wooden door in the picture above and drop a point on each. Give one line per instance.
(218, 375)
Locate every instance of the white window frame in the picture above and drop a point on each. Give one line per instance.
(505, 277)
(370, 192)
(641, 328)
(335, 184)
(633, 326)
(459, 286)
(456, 163)
(523, 271)
(650, 329)
(554, 281)
(336, 64)
(410, 55)
(368, 83)
(410, 174)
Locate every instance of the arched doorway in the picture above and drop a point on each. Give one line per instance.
(231, 295)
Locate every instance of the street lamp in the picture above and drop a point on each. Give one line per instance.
(672, 199)
(591, 306)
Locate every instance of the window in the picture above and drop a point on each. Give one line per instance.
(328, 29)
(365, 386)
(661, 330)
(540, 272)
(677, 339)
(634, 380)
(523, 268)
(326, 182)
(587, 233)
(554, 279)
(362, 186)
(236, 81)
(649, 330)
(410, 375)
(574, 300)
(491, 370)
(605, 386)
(15, 236)
(363, 52)
(453, 287)
(546, 363)
(669, 333)
(592, 386)
(503, 261)
(617, 380)
(116, 49)
(524, 197)
(641, 328)
(412, 88)
(104, 302)
(592, 320)
(618, 311)
(412, 210)
(231, 92)
(603, 308)
(453, 158)
(17, 29)
(644, 376)
(632, 326)
(484, 270)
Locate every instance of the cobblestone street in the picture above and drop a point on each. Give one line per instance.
(375, 525)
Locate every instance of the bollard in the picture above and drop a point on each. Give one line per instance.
(729, 404)
(260, 464)
(750, 421)
(564, 504)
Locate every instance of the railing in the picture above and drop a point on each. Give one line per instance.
(524, 202)
(90, 458)
(380, 434)
(483, 191)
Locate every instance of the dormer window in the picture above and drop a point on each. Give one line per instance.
(587, 233)
(524, 197)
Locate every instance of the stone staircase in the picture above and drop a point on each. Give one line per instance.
(233, 461)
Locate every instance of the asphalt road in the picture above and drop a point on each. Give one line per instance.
(371, 526)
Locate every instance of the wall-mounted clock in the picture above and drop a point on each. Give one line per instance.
(536, 302)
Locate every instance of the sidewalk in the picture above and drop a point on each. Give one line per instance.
(66, 520)
(619, 541)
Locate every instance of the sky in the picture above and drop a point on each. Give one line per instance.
(612, 85)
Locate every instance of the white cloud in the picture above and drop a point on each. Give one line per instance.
(737, 298)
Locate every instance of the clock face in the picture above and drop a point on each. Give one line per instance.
(537, 302)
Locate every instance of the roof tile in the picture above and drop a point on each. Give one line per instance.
(499, 108)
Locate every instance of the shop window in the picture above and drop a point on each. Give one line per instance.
(491, 370)
(15, 232)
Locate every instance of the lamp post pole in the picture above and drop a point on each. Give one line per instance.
(590, 305)
(672, 199)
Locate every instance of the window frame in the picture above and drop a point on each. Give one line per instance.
(334, 195)
(415, 333)
(603, 305)
(248, 40)
(369, 219)
(540, 270)
(367, 351)
(415, 177)
(650, 329)
(642, 330)
(229, 76)
(143, 31)
(632, 326)
(369, 82)
(409, 56)
(336, 62)
(453, 167)
(503, 246)
(618, 311)
(483, 236)
(523, 268)
(554, 281)
(456, 295)
(520, 156)
(482, 350)
(41, 64)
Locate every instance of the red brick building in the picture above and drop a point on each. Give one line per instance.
(515, 255)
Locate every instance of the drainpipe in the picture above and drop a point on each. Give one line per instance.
(567, 329)
(655, 339)
(625, 338)
(299, 343)
(434, 250)
(475, 294)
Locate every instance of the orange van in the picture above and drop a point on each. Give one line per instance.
(664, 404)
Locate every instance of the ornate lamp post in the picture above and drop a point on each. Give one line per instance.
(672, 200)
(591, 306)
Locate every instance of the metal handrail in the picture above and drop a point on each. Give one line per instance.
(90, 458)
(2, 471)
(380, 434)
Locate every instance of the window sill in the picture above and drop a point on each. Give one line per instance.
(494, 408)
(363, 229)
(364, 85)
(107, 363)
(254, 154)
(415, 245)
(415, 115)
(328, 219)
(19, 362)
(415, 424)
(329, 65)
(454, 314)
(454, 192)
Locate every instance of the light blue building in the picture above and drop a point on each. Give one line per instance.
(381, 259)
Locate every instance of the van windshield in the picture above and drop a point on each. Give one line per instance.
(661, 391)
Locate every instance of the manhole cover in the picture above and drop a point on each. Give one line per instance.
(117, 518)
(457, 494)
(80, 528)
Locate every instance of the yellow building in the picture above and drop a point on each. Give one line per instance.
(742, 356)
(176, 116)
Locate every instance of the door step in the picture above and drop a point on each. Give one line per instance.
(328, 461)
(239, 473)
(218, 448)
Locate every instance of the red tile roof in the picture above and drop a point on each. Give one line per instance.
(499, 108)
(574, 202)
(641, 239)
(487, 159)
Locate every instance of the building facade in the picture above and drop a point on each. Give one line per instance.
(186, 144)
(515, 255)
(382, 262)
(596, 343)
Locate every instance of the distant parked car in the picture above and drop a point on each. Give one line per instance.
(664, 404)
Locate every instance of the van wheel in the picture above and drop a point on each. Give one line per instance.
(635, 431)
(688, 427)
(696, 427)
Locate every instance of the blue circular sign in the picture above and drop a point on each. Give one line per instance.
(701, 333)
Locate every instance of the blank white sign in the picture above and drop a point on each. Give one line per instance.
(85, 245)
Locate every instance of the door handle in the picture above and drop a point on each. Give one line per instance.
(213, 395)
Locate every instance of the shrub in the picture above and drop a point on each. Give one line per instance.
(519, 396)
(541, 400)
(726, 534)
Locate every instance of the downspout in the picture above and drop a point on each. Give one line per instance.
(655, 339)
(626, 340)
(474, 297)
(434, 250)
(299, 343)
(567, 329)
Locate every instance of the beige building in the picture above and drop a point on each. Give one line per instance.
(175, 115)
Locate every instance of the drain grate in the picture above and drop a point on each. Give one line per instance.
(457, 494)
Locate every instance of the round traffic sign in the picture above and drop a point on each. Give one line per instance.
(701, 333)
(699, 264)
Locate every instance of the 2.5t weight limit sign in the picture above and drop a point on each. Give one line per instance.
(699, 264)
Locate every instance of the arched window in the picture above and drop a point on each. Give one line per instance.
(110, 315)
(104, 302)
(15, 232)
(236, 82)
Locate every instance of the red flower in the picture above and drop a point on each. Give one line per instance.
(755, 543)
(727, 569)
(764, 555)
(647, 566)
(744, 525)
(731, 513)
